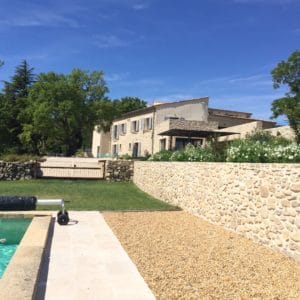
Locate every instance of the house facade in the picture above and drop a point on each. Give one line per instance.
(170, 126)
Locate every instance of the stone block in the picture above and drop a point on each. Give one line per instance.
(271, 204)
(295, 187)
(296, 236)
(264, 191)
(285, 203)
(297, 222)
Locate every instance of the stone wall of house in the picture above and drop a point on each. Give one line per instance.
(17, 170)
(259, 201)
(285, 131)
(125, 141)
(118, 170)
(243, 130)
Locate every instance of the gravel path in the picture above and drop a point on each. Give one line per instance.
(184, 257)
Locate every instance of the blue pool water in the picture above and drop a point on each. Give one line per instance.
(11, 233)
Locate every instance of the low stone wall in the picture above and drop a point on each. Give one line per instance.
(118, 170)
(260, 201)
(17, 170)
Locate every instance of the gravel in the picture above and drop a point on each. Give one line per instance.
(182, 256)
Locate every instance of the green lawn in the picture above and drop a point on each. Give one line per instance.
(85, 194)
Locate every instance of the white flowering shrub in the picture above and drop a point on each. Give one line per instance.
(262, 147)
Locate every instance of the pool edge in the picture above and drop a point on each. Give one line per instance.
(20, 278)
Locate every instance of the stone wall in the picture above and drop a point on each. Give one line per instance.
(285, 131)
(259, 201)
(118, 170)
(17, 170)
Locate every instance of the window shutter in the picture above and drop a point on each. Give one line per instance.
(142, 124)
(137, 125)
(125, 128)
(150, 123)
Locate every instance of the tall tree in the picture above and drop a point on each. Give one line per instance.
(59, 111)
(106, 110)
(14, 102)
(127, 104)
(288, 73)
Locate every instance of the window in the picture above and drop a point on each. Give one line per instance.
(120, 147)
(115, 132)
(162, 145)
(136, 151)
(148, 123)
(135, 126)
(123, 128)
(115, 150)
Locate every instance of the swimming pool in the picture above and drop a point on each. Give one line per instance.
(12, 230)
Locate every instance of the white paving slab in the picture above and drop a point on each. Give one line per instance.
(88, 262)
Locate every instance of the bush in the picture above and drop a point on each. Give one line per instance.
(163, 155)
(262, 147)
(20, 158)
(79, 153)
(125, 156)
(190, 153)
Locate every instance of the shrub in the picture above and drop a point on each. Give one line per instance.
(163, 155)
(189, 153)
(125, 156)
(20, 158)
(262, 147)
(79, 153)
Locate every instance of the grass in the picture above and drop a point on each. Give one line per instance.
(85, 194)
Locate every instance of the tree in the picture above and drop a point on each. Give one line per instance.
(288, 72)
(127, 104)
(59, 111)
(106, 110)
(12, 105)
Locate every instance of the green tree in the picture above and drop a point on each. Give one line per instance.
(12, 105)
(288, 72)
(106, 110)
(60, 111)
(127, 104)
(4, 130)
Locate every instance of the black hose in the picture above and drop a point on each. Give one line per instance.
(17, 202)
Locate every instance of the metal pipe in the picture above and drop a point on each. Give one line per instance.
(60, 202)
(50, 202)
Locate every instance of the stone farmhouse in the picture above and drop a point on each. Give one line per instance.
(171, 126)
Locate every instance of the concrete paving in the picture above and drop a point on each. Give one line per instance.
(86, 261)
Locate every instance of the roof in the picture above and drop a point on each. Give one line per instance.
(153, 108)
(194, 133)
(227, 112)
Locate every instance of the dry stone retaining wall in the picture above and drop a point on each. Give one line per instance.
(17, 170)
(119, 170)
(260, 201)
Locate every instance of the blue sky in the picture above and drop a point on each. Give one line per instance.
(158, 50)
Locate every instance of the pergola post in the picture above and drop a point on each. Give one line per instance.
(170, 142)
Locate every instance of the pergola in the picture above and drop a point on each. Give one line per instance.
(189, 134)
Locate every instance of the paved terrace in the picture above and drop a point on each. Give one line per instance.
(86, 261)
